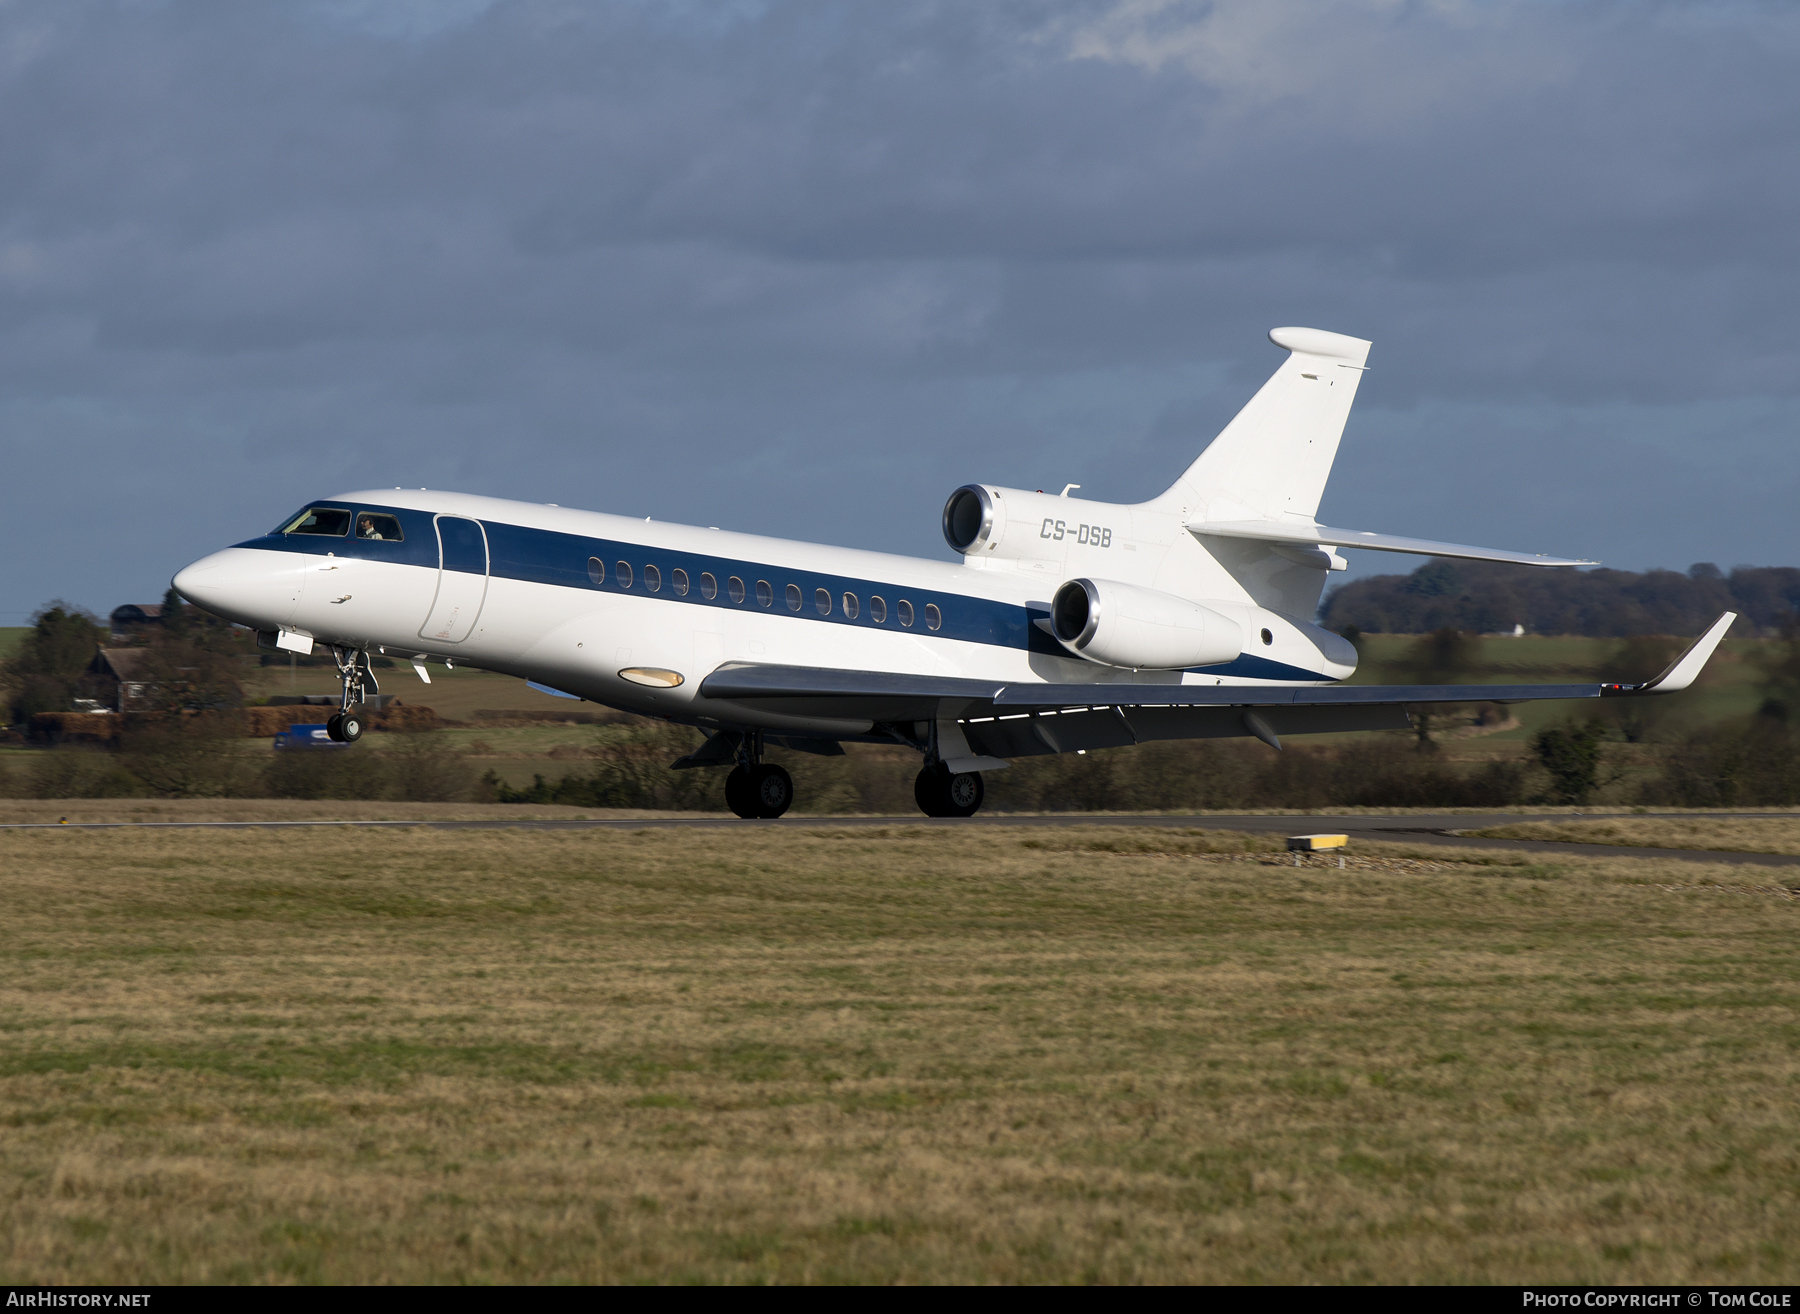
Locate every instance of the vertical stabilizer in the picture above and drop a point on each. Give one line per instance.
(1272, 460)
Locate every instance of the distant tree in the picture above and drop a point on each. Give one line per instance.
(185, 674)
(189, 757)
(1444, 656)
(1780, 663)
(52, 664)
(1435, 579)
(1640, 658)
(174, 614)
(1482, 597)
(1570, 753)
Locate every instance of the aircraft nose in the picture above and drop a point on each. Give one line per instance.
(258, 589)
(191, 580)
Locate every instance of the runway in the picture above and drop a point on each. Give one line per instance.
(1442, 830)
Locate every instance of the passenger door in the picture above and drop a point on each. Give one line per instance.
(462, 580)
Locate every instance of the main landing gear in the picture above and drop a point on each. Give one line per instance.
(761, 789)
(346, 725)
(941, 793)
(755, 788)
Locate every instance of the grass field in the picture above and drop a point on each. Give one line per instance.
(907, 1054)
(1734, 835)
(1728, 687)
(456, 694)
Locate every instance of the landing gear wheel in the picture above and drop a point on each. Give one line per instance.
(941, 794)
(774, 791)
(740, 795)
(350, 726)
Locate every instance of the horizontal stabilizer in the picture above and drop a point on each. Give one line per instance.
(1273, 531)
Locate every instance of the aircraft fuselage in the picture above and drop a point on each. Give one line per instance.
(609, 608)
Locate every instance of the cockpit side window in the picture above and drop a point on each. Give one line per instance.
(329, 521)
(378, 528)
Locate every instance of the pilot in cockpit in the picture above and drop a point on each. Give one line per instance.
(365, 527)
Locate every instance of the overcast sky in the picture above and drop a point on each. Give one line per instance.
(803, 268)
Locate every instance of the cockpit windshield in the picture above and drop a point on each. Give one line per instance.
(380, 528)
(326, 520)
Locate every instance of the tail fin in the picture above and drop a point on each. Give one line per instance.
(1272, 460)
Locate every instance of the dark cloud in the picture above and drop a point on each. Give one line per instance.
(804, 267)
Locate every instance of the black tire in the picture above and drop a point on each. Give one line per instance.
(739, 796)
(350, 726)
(963, 794)
(928, 792)
(774, 791)
(334, 726)
(940, 794)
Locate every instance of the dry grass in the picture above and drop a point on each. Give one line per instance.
(1725, 834)
(26, 811)
(908, 1054)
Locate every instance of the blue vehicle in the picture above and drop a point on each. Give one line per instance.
(308, 736)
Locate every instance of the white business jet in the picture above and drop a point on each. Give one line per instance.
(1068, 625)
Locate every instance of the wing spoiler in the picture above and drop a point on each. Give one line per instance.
(744, 680)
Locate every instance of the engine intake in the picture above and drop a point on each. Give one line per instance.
(969, 517)
(1140, 629)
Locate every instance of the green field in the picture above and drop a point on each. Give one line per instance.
(11, 636)
(887, 1055)
(1728, 687)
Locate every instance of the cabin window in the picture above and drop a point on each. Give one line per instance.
(326, 521)
(878, 610)
(378, 528)
(622, 573)
(596, 571)
(903, 610)
(822, 599)
(678, 582)
(736, 588)
(850, 607)
(709, 587)
(933, 617)
(653, 579)
(793, 597)
(1267, 638)
(765, 595)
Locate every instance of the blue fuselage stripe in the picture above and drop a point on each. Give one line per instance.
(547, 556)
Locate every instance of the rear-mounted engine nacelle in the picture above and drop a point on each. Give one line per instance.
(1141, 629)
(986, 523)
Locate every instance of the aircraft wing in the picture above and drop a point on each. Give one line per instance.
(1270, 531)
(1008, 720)
(742, 680)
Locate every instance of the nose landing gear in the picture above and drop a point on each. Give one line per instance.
(346, 727)
(346, 724)
(755, 788)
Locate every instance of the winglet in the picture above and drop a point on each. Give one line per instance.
(1683, 670)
